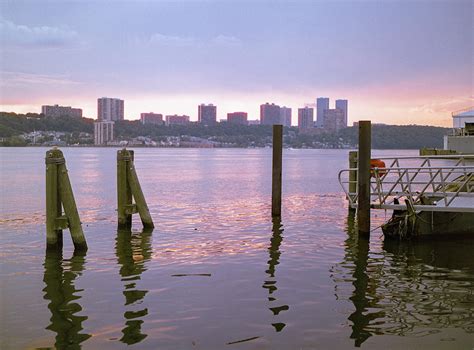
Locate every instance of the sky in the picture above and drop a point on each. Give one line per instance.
(397, 62)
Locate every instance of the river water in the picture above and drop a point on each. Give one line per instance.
(217, 272)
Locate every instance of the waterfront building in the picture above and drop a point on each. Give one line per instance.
(305, 118)
(207, 114)
(461, 138)
(151, 118)
(177, 119)
(333, 119)
(285, 116)
(322, 103)
(103, 132)
(342, 104)
(237, 118)
(110, 109)
(61, 111)
(270, 114)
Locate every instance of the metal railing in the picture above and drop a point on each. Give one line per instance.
(428, 183)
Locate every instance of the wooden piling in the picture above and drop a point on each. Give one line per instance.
(124, 194)
(53, 204)
(128, 188)
(59, 194)
(70, 209)
(277, 169)
(352, 175)
(363, 178)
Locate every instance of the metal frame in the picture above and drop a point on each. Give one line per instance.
(415, 185)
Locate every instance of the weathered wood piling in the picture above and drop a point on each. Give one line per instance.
(363, 178)
(277, 169)
(59, 195)
(128, 188)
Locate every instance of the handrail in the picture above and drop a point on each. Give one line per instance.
(444, 187)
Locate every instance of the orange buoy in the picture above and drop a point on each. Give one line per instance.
(380, 165)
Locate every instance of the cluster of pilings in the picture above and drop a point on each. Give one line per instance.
(59, 193)
(59, 196)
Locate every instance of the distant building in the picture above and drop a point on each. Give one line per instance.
(254, 122)
(461, 139)
(110, 109)
(151, 118)
(177, 119)
(61, 111)
(207, 114)
(237, 118)
(285, 116)
(305, 118)
(342, 104)
(270, 114)
(333, 119)
(322, 103)
(103, 132)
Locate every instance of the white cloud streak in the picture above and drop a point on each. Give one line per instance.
(16, 35)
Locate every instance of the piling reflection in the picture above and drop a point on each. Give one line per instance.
(407, 288)
(270, 283)
(60, 290)
(133, 250)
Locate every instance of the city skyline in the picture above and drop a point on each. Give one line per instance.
(398, 63)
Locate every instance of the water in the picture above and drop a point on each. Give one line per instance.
(217, 272)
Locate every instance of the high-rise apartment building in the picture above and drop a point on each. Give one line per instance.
(110, 109)
(151, 118)
(285, 116)
(270, 114)
(333, 119)
(342, 104)
(61, 111)
(305, 118)
(207, 114)
(103, 132)
(237, 118)
(177, 119)
(322, 103)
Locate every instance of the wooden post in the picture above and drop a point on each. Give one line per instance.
(128, 188)
(277, 169)
(140, 201)
(352, 175)
(59, 194)
(124, 194)
(54, 236)
(70, 209)
(363, 178)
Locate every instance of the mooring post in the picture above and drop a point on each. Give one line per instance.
(59, 194)
(54, 236)
(352, 176)
(124, 194)
(363, 178)
(70, 209)
(140, 201)
(128, 188)
(277, 169)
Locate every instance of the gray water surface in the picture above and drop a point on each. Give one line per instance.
(217, 272)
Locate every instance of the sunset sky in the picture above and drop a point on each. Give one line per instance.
(397, 62)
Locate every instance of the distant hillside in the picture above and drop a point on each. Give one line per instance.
(383, 136)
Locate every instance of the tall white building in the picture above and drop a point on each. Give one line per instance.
(110, 109)
(342, 104)
(103, 132)
(322, 103)
(285, 116)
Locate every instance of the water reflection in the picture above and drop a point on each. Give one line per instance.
(271, 284)
(60, 290)
(408, 288)
(133, 250)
